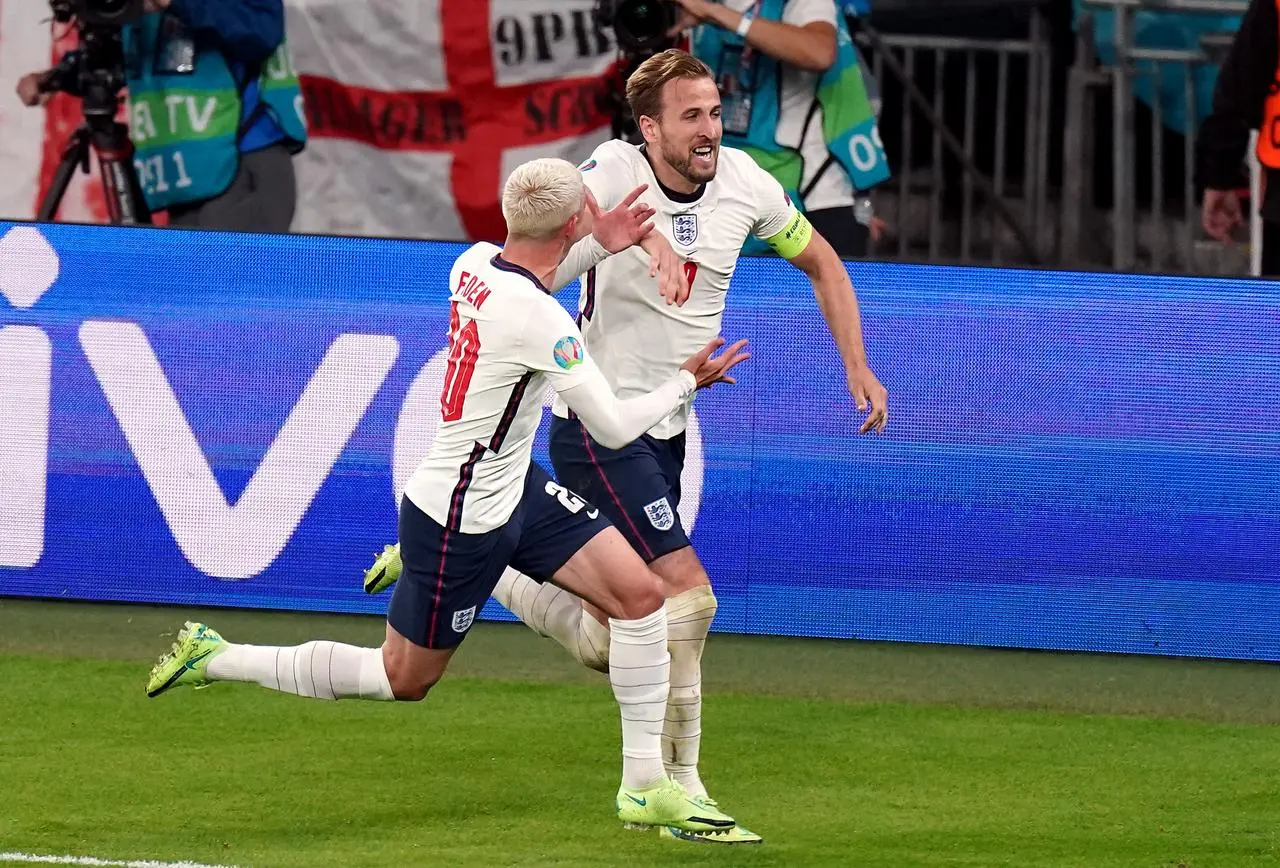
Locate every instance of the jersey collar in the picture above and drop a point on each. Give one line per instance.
(502, 265)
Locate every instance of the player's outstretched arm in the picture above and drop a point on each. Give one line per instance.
(780, 224)
(614, 423)
(812, 254)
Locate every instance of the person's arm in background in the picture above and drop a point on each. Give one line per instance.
(31, 90)
(811, 47)
(1238, 97)
(248, 31)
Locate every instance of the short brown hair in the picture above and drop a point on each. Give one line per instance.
(644, 87)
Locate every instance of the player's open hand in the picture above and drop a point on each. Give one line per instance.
(869, 394)
(623, 226)
(666, 265)
(708, 371)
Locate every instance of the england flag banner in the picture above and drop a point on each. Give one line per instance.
(416, 109)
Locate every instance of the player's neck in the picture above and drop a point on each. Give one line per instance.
(539, 258)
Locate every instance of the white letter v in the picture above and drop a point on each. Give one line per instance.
(224, 541)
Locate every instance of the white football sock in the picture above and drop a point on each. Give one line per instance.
(557, 614)
(689, 616)
(593, 644)
(320, 670)
(640, 673)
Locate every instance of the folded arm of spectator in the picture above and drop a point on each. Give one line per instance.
(811, 47)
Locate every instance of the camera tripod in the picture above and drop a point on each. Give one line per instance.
(101, 133)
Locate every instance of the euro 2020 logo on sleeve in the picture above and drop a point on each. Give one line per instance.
(567, 352)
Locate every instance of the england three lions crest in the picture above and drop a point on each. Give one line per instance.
(685, 228)
(463, 620)
(660, 514)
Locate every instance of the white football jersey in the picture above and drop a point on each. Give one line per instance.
(636, 338)
(508, 341)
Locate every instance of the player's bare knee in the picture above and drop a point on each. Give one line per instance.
(644, 596)
(413, 692)
(676, 584)
(409, 686)
(410, 679)
(680, 571)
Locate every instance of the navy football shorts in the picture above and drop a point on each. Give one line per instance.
(449, 575)
(637, 487)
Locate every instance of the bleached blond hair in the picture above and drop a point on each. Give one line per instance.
(540, 196)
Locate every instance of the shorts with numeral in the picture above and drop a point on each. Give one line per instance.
(637, 487)
(449, 575)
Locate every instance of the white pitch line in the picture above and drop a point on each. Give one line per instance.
(90, 860)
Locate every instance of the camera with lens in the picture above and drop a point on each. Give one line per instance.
(640, 26)
(97, 13)
(95, 71)
(642, 29)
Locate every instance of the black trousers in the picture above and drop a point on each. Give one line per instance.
(849, 237)
(261, 198)
(1270, 248)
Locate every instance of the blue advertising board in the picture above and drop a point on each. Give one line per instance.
(1074, 461)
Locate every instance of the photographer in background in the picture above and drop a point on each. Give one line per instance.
(215, 112)
(794, 98)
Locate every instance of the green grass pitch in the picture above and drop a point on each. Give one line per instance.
(839, 753)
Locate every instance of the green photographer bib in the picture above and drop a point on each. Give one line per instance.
(185, 109)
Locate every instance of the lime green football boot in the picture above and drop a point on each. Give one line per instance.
(187, 663)
(668, 804)
(739, 834)
(385, 571)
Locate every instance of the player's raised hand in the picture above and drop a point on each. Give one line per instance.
(666, 265)
(707, 370)
(867, 391)
(625, 225)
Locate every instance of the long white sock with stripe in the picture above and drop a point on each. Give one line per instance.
(319, 670)
(555, 613)
(640, 671)
(689, 616)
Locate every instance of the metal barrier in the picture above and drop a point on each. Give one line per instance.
(1166, 236)
(1012, 227)
(973, 123)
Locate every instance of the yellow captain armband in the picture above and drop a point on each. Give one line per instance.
(791, 241)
